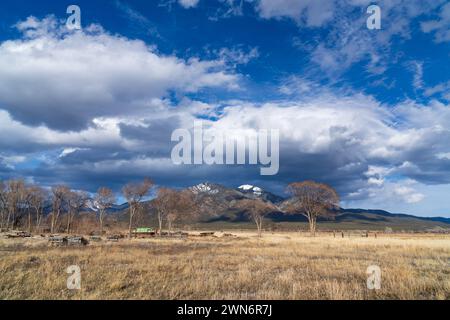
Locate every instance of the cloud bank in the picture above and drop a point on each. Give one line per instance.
(89, 108)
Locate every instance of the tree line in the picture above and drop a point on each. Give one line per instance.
(23, 204)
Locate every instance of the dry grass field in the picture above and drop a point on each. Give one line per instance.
(278, 266)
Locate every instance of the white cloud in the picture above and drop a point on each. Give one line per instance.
(397, 197)
(67, 151)
(351, 142)
(444, 155)
(11, 161)
(237, 56)
(345, 39)
(68, 79)
(119, 119)
(409, 195)
(188, 3)
(440, 26)
(417, 69)
(441, 89)
(313, 13)
(297, 85)
(137, 19)
(346, 135)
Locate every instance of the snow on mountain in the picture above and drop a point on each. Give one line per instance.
(92, 205)
(204, 188)
(247, 187)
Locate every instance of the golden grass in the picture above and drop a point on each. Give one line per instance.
(278, 266)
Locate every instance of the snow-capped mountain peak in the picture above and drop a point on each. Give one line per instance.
(204, 188)
(248, 187)
(92, 205)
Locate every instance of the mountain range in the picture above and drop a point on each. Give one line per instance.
(216, 210)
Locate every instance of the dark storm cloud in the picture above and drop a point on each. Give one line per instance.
(430, 171)
(154, 135)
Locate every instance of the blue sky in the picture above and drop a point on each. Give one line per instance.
(366, 111)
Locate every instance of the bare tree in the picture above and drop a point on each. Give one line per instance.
(76, 201)
(257, 209)
(311, 199)
(14, 197)
(171, 205)
(162, 204)
(38, 196)
(59, 194)
(104, 199)
(134, 193)
(3, 204)
(26, 197)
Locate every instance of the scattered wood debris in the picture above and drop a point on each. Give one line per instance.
(57, 240)
(95, 238)
(114, 238)
(224, 235)
(180, 234)
(207, 234)
(229, 235)
(18, 234)
(77, 241)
